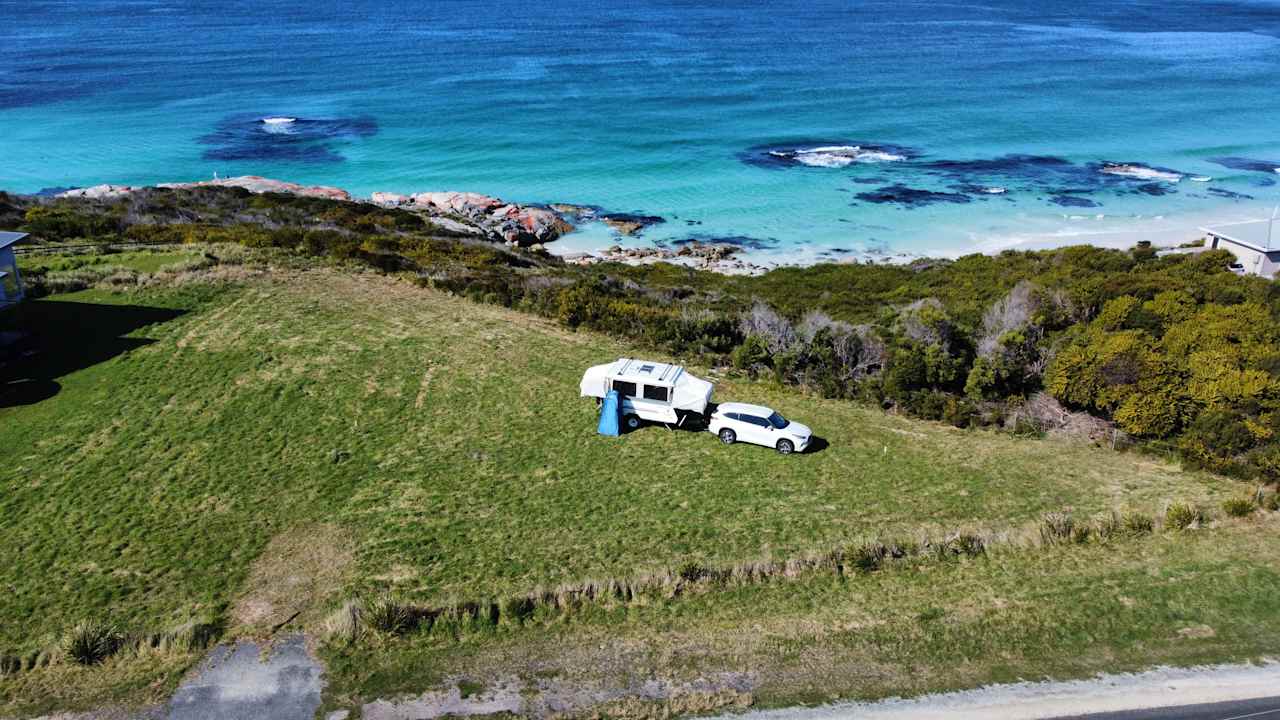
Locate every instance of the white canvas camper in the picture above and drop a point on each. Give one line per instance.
(653, 391)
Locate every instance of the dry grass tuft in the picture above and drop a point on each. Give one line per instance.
(1181, 516)
(1137, 523)
(1057, 527)
(343, 624)
(389, 615)
(90, 642)
(1238, 507)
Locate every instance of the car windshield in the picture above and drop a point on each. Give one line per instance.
(778, 421)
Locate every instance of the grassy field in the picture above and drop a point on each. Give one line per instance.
(245, 450)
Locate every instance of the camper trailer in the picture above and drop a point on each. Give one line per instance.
(654, 391)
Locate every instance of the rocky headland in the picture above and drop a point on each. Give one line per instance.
(463, 212)
(490, 218)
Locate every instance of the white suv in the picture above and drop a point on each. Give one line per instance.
(757, 424)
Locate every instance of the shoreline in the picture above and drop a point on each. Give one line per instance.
(588, 234)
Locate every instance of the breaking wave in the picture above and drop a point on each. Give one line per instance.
(836, 156)
(825, 154)
(1138, 171)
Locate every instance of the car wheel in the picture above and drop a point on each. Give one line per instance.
(786, 447)
(728, 437)
(631, 421)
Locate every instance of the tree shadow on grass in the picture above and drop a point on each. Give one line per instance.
(63, 337)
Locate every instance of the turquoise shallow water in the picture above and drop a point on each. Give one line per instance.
(671, 108)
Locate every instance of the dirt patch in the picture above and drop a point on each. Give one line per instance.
(296, 573)
(1197, 632)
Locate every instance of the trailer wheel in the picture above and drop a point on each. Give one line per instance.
(631, 421)
(728, 437)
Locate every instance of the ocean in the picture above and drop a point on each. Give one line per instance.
(802, 131)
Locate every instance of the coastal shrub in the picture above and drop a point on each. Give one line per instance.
(765, 323)
(91, 642)
(1215, 439)
(960, 412)
(1272, 502)
(1265, 461)
(60, 221)
(752, 354)
(1221, 432)
(1181, 516)
(1010, 354)
(1238, 507)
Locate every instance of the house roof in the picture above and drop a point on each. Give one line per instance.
(1253, 234)
(9, 238)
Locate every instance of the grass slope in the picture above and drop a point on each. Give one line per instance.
(183, 441)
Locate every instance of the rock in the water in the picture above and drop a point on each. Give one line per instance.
(578, 212)
(630, 223)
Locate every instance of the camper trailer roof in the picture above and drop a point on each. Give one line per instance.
(646, 370)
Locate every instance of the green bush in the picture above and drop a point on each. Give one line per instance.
(1265, 461)
(1222, 432)
(959, 412)
(63, 221)
(751, 354)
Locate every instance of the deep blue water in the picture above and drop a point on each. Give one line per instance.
(979, 125)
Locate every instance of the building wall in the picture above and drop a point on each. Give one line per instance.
(11, 284)
(1255, 262)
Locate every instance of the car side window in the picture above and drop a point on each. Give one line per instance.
(655, 392)
(733, 416)
(624, 388)
(756, 420)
